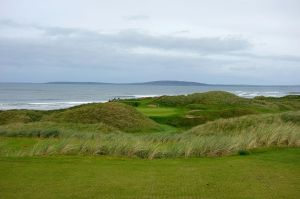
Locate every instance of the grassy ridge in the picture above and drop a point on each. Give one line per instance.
(272, 174)
(217, 138)
(116, 116)
(183, 111)
(53, 129)
(20, 116)
(106, 129)
(186, 111)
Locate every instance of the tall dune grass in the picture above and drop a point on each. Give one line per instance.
(221, 137)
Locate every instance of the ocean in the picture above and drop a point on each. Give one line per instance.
(56, 96)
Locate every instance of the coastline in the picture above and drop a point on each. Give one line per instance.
(58, 96)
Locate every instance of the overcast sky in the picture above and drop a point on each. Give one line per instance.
(209, 41)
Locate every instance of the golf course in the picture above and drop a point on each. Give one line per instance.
(202, 145)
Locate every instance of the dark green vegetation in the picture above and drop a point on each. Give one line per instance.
(260, 175)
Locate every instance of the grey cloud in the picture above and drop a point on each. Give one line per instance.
(136, 17)
(67, 47)
(202, 45)
(249, 55)
(54, 31)
(131, 39)
(82, 53)
(70, 61)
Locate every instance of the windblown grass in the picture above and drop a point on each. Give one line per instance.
(218, 138)
(53, 129)
(107, 129)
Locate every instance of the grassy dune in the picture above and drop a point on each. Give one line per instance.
(117, 129)
(186, 111)
(104, 150)
(216, 138)
(114, 115)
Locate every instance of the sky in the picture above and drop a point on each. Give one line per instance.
(208, 41)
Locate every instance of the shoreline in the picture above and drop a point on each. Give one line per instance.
(55, 105)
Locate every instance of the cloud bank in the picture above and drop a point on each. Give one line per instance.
(35, 52)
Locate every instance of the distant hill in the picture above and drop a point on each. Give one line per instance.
(77, 83)
(154, 83)
(171, 83)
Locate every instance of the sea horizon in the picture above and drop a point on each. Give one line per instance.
(146, 82)
(42, 96)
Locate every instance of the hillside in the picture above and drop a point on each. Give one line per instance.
(152, 83)
(186, 111)
(196, 125)
(171, 83)
(116, 115)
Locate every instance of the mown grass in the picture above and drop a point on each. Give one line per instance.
(268, 174)
(159, 111)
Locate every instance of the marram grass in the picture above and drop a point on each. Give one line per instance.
(218, 138)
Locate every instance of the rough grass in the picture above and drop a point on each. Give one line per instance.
(24, 116)
(53, 129)
(182, 112)
(186, 111)
(248, 124)
(116, 115)
(102, 129)
(218, 138)
(263, 144)
(270, 174)
(212, 97)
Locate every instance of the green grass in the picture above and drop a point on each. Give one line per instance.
(147, 148)
(114, 115)
(216, 138)
(268, 174)
(118, 115)
(24, 116)
(142, 115)
(186, 111)
(159, 111)
(108, 128)
(53, 129)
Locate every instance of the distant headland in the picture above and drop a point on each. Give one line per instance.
(154, 83)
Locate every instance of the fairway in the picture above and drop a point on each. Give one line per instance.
(159, 111)
(268, 174)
